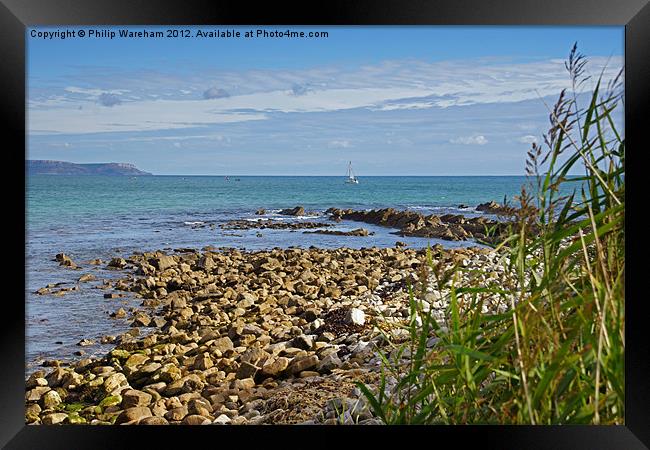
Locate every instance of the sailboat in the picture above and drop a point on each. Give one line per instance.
(351, 179)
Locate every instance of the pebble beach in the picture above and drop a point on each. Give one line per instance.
(230, 336)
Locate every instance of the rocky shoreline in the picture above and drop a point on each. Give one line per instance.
(453, 227)
(270, 224)
(264, 337)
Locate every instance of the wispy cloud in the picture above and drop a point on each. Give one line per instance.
(94, 92)
(470, 140)
(299, 89)
(339, 143)
(214, 92)
(109, 99)
(528, 139)
(257, 94)
(132, 116)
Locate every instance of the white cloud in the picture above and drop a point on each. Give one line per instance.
(94, 92)
(59, 144)
(214, 92)
(254, 94)
(336, 143)
(528, 139)
(133, 116)
(470, 140)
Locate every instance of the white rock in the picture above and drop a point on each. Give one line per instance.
(355, 316)
(222, 420)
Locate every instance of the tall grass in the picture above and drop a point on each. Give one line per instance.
(556, 355)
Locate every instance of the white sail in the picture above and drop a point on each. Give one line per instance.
(352, 179)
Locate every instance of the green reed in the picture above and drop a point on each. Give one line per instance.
(557, 355)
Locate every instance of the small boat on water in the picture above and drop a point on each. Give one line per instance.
(351, 177)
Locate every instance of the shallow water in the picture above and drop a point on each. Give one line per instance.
(102, 217)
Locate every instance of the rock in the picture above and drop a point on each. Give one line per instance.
(178, 303)
(252, 329)
(199, 406)
(206, 263)
(176, 414)
(51, 399)
(297, 211)
(270, 224)
(108, 339)
(270, 264)
(111, 400)
(86, 342)
(273, 367)
(35, 394)
(246, 370)
(75, 419)
(119, 314)
(260, 212)
(51, 363)
(32, 412)
(153, 421)
(355, 316)
(371, 422)
(132, 415)
(308, 374)
(310, 315)
(169, 373)
(203, 362)
(141, 320)
(118, 263)
(54, 378)
(37, 381)
(195, 419)
(113, 382)
(303, 341)
(223, 344)
(329, 363)
(132, 397)
(163, 262)
(135, 360)
(222, 420)
(357, 232)
(86, 277)
(299, 364)
(493, 207)
(158, 322)
(54, 418)
(64, 260)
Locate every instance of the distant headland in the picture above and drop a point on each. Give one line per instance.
(49, 167)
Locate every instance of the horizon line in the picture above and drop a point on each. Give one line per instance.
(330, 175)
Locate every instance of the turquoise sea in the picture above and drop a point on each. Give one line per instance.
(90, 217)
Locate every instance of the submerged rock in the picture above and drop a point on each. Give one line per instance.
(493, 207)
(357, 232)
(297, 211)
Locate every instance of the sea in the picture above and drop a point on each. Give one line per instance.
(88, 217)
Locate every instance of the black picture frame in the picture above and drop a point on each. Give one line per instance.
(16, 15)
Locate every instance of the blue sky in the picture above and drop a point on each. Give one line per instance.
(394, 100)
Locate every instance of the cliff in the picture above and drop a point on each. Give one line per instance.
(47, 167)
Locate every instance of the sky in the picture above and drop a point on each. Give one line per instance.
(415, 100)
